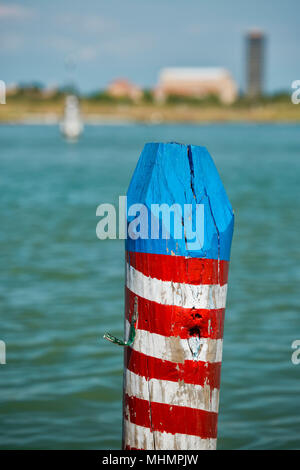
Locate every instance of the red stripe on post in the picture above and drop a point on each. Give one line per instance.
(170, 418)
(169, 320)
(179, 268)
(192, 372)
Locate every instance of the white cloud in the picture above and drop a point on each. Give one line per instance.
(87, 23)
(81, 54)
(74, 51)
(14, 11)
(87, 54)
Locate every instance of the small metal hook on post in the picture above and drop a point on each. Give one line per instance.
(132, 330)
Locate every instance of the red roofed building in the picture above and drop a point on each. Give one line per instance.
(122, 88)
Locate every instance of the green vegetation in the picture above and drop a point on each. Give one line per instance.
(276, 98)
(211, 100)
(34, 102)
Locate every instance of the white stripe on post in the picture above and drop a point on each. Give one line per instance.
(143, 438)
(173, 348)
(172, 393)
(175, 293)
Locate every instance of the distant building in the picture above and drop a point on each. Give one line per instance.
(196, 82)
(255, 63)
(122, 88)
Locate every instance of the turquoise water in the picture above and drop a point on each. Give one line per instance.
(61, 288)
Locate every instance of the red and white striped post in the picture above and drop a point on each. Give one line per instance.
(175, 300)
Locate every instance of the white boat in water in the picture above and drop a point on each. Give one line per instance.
(71, 125)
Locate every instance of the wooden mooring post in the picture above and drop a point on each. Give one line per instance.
(175, 299)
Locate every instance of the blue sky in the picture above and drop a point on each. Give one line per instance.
(106, 39)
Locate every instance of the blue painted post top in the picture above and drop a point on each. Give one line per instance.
(185, 176)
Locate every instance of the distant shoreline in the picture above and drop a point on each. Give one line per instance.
(116, 122)
(95, 113)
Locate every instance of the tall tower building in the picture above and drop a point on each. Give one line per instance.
(255, 63)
